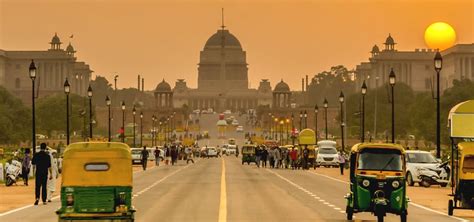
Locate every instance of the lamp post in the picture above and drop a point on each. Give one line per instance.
(341, 101)
(168, 128)
(123, 121)
(134, 112)
(438, 65)
(108, 102)
(292, 129)
(32, 72)
(281, 131)
(305, 115)
(316, 110)
(275, 128)
(89, 94)
(391, 78)
(362, 131)
(301, 120)
(67, 90)
(164, 132)
(159, 130)
(287, 126)
(326, 116)
(141, 129)
(153, 130)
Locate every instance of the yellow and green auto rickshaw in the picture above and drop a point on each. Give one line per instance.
(307, 139)
(248, 154)
(377, 173)
(96, 182)
(461, 126)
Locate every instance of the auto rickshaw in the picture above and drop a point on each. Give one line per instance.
(377, 175)
(307, 139)
(248, 154)
(96, 182)
(461, 126)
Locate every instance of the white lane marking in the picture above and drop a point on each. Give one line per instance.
(223, 198)
(410, 203)
(159, 181)
(308, 192)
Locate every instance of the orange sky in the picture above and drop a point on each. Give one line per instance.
(283, 39)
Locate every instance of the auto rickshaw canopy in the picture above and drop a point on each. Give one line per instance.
(97, 164)
(461, 120)
(307, 137)
(248, 149)
(390, 146)
(466, 171)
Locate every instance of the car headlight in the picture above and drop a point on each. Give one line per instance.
(365, 183)
(395, 184)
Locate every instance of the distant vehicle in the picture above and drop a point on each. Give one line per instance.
(227, 112)
(422, 164)
(41, 136)
(211, 152)
(235, 122)
(231, 150)
(327, 154)
(204, 111)
(196, 111)
(136, 155)
(240, 129)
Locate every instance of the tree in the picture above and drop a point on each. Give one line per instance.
(15, 119)
(328, 84)
(101, 88)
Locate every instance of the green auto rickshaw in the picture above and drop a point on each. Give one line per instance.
(248, 154)
(377, 175)
(96, 183)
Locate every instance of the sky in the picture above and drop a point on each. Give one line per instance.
(284, 39)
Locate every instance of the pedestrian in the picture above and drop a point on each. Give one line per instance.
(189, 155)
(258, 154)
(144, 157)
(51, 184)
(264, 156)
(167, 155)
(293, 158)
(277, 156)
(174, 155)
(157, 156)
(305, 157)
(42, 163)
(25, 166)
(342, 162)
(271, 157)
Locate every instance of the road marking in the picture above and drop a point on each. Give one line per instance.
(223, 200)
(410, 203)
(159, 181)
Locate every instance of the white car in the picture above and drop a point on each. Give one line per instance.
(231, 150)
(211, 152)
(136, 155)
(235, 122)
(240, 129)
(419, 161)
(327, 154)
(227, 112)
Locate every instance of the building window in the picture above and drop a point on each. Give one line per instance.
(17, 83)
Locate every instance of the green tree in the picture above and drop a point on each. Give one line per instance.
(328, 84)
(15, 119)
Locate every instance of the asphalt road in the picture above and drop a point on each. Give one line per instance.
(222, 189)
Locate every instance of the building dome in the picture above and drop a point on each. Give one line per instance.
(163, 86)
(55, 39)
(282, 87)
(389, 40)
(216, 40)
(70, 49)
(375, 49)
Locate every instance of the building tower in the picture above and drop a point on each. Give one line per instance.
(55, 42)
(389, 43)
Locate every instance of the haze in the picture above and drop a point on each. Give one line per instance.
(283, 39)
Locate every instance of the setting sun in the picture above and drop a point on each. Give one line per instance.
(440, 36)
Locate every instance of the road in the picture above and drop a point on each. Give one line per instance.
(222, 189)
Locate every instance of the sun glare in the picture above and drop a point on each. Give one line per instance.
(440, 36)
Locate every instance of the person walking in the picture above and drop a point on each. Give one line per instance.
(42, 163)
(25, 166)
(144, 157)
(51, 184)
(174, 155)
(167, 155)
(305, 157)
(189, 155)
(157, 156)
(258, 153)
(277, 157)
(264, 156)
(342, 162)
(293, 158)
(271, 156)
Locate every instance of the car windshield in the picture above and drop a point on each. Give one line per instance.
(421, 157)
(327, 151)
(380, 159)
(136, 151)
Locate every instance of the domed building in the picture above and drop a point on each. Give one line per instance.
(163, 95)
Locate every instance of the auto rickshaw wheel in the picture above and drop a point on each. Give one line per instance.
(349, 212)
(450, 207)
(403, 216)
(380, 218)
(410, 179)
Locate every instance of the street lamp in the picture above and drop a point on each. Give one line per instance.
(32, 72)
(287, 134)
(281, 131)
(316, 110)
(362, 131)
(438, 65)
(168, 128)
(123, 121)
(89, 94)
(326, 116)
(134, 112)
(341, 101)
(391, 78)
(141, 129)
(269, 123)
(292, 129)
(108, 102)
(275, 132)
(301, 120)
(305, 119)
(159, 131)
(67, 90)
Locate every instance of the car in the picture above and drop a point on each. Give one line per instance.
(136, 155)
(231, 150)
(235, 122)
(197, 111)
(240, 129)
(227, 112)
(211, 152)
(327, 154)
(419, 161)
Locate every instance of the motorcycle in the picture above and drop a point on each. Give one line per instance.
(438, 175)
(13, 172)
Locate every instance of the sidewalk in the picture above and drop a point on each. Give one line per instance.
(434, 197)
(19, 195)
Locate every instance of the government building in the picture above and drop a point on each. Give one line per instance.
(53, 67)
(416, 68)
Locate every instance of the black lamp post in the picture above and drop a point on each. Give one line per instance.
(168, 127)
(141, 129)
(159, 131)
(134, 112)
(391, 78)
(281, 131)
(89, 94)
(341, 101)
(108, 102)
(292, 129)
(153, 131)
(438, 64)
(269, 123)
(275, 128)
(326, 116)
(32, 72)
(305, 115)
(123, 121)
(301, 120)
(362, 131)
(287, 126)
(316, 110)
(67, 90)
